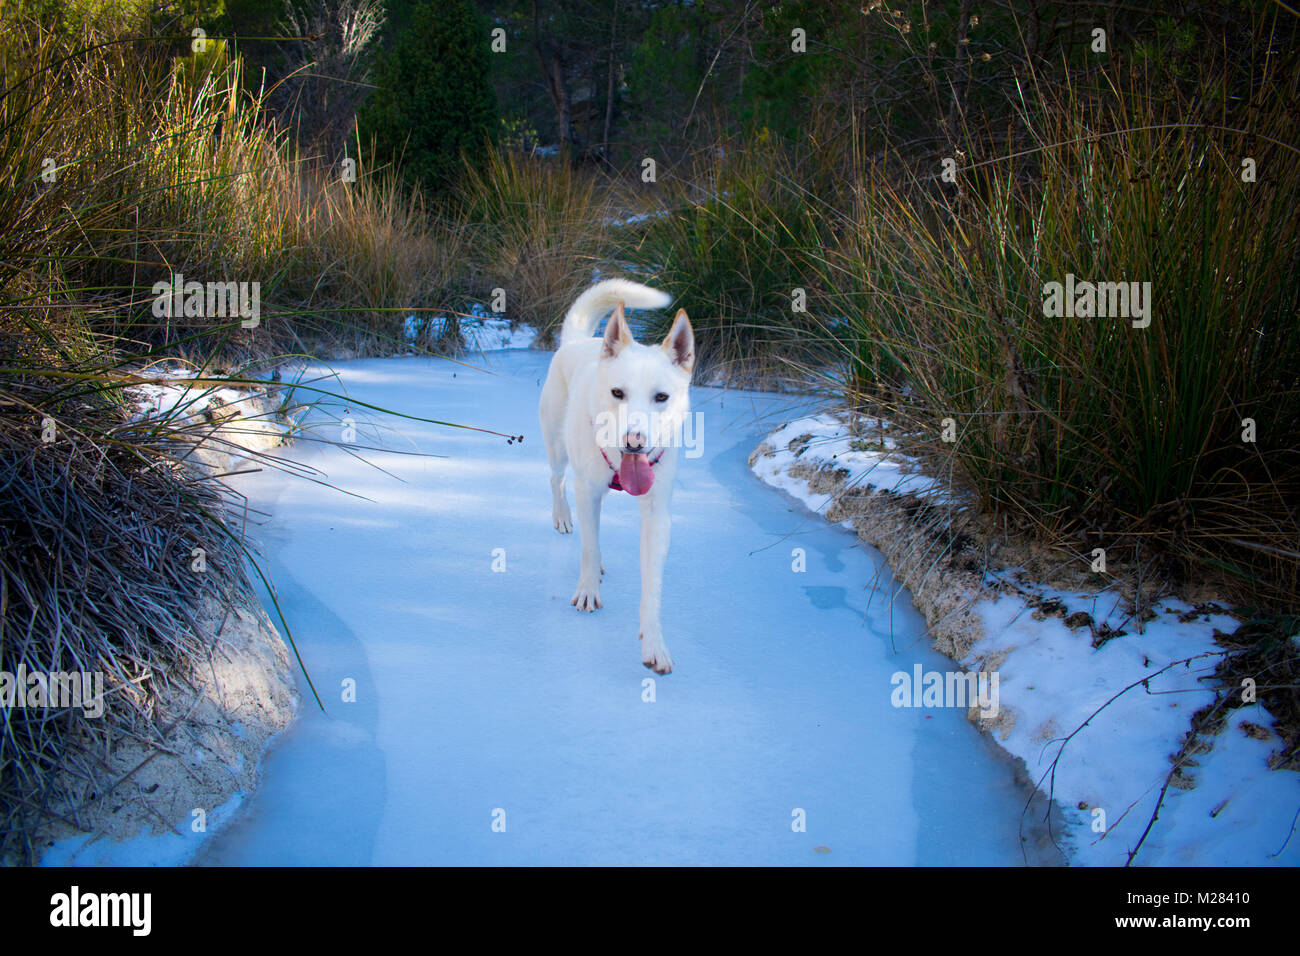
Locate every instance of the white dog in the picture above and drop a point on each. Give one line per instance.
(614, 409)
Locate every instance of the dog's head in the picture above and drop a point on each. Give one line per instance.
(642, 390)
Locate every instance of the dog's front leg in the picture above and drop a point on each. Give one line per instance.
(589, 498)
(656, 527)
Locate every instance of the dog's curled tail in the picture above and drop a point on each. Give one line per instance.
(598, 301)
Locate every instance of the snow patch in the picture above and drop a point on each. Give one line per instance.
(481, 330)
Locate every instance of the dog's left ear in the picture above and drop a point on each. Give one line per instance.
(617, 335)
(680, 344)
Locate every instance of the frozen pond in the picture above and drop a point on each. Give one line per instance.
(483, 697)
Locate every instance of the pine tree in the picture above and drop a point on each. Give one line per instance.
(433, 96)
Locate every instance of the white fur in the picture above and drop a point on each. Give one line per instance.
(578, 397)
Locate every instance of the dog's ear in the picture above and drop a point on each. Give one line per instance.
(680, 344)
(617, 335)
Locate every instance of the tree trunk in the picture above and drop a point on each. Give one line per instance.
(962, 70)
(609, 86)
(563, 106)
(557, 87)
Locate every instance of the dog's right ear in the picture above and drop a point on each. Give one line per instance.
(617, 335)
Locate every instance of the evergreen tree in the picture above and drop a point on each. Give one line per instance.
(433, 96)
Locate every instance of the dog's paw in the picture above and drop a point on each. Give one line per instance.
(587, 597)
(654, 655)
(563, 521)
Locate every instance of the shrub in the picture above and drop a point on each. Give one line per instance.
(433, 100)
(1087, 428)
(539, 228)
(734, 244)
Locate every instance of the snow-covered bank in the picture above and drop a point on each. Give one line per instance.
(1094, 698)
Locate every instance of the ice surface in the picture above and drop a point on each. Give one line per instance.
(482, 690)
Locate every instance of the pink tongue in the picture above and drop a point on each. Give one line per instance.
(635, 474)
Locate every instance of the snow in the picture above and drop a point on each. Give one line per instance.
(1052, 681)
(170, 395)
(881, 467)
(459, 695)
(175, 848)
(482, 330)
(637, 218)
(483, 696)
(246, 416)
(1236, 813)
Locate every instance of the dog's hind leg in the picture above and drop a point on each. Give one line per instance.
(551, 413)
(560, 515)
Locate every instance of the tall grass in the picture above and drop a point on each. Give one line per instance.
(1087, 428)
(99, 522)
(735, 239)
(538, 228)
(163, 169)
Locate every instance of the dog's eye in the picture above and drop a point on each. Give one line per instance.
(617, 393)
(661, 397)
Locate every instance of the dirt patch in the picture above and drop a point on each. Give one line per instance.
(211, 732)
